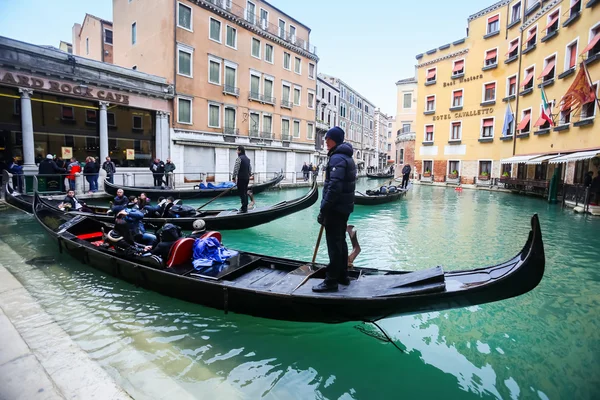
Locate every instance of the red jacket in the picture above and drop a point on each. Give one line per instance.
(75, 168)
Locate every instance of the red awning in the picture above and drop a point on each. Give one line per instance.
(527, 80)
(548, 68)
(591, 44)
(575, 3)
(430, 98)
(490, 54)
(552, 22)
(456, 124)
(513, 47)
(490, 86)
(429, 129)
(431, 74)
(541, 121)
(488, 122)
(532, 33)
(458, 94)
(524, 122)
(512, 80)
(458, 66)
(494, 18)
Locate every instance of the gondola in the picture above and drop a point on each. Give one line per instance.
(21, 201)
(374, 199)
(271, 287)
(154, 192)
(380, 176)
(218, 219)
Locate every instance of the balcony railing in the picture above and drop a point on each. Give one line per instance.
(261, 97)
(269, 99)
(286, 137)
(231, 131)
(262, 24)
(254, 96)
(253, 133)
(231, 90)
(266, 135)
(287, 104)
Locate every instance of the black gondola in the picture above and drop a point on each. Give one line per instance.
(21, 201)
(219, 219)
(271, 287)
(374, 199)
(380, 176)
(153, 192)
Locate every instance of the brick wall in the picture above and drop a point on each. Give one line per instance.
(409, 157)
(439, 170)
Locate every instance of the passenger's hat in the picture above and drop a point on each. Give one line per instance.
(199, 225)
(49, 157)
(336, 134)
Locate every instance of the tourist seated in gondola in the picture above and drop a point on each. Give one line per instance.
(119, 202)
(168, 235)
(133, 203)
(121, 238)
(71, 203)
(153, 211)
(143, 201)
(199, 229)
(134, 219)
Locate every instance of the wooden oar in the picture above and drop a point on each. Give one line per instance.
(222, 193)
(313, 259)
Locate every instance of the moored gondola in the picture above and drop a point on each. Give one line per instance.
(219, 219)
(271, 287)
(380, 176)
(371, 199)
(154, 192)
(21, 201)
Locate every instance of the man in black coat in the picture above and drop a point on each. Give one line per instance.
(405, 176)
(241, 176)
(158, 171)
(47, 170)
(336, 207)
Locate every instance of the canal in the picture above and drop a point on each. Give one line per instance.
(545, 344)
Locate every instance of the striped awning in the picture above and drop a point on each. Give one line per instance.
(539, 160)
(519, 159)
(582, 155)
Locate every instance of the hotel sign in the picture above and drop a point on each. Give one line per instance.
(463, 114)
(62, 88)
(463, 79)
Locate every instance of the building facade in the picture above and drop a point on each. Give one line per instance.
(92, 39)
(357, 119)
(390, 145)
(244, 73)
(326, 114)
(382, 122)
(470, 89)
(55, 103)
(405, 123)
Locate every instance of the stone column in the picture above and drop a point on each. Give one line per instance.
(103, 131)
(27, 129)
(158, 135)
(163, 137)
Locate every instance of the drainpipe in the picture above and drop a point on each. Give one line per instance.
(519, 84)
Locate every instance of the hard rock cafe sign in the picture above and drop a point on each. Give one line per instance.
(67, 89)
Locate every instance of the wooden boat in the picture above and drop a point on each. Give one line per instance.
(21, 201)
(217, 219)
(155, 193)
(269, 287)
(380, 175)
(370, 200)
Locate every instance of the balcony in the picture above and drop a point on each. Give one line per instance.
(322, 125)
(254, 133)
(261, 25)
(231, 131)
(231, 90)
(287, 104)
(286, 137)
(266, 135)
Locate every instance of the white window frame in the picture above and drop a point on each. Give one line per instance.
(434, 102)
(411, 100)
(310, 104)
(220, 62)
(561, 114)
(231, 65)
(487, 23)
(234, 108)
(493, 118)
(289, 85)
(191, 100)
(545, 64)
(260, 14)
(423, 166)
(483, 100)
(210, 19)
(299, 97)
(104, 36)
(293, 38)
(567, 55)
(425, 133)
(508, 86)
(279, 33)
(427, 73)
(263, 121)
(297, 58)
(133, 117)
(133, 37)
(512, 8)
(314, 71)
(454, 64)
(307, 130)
(272, 80)
(532, 66)
(462, 101)
(531, 122)
(212, 103)
(537, 33)
(479, 166)
(485, 56)
(518, 39)
(259, 75)
(227, 26)
(252, 39)
(448, 172)
(272, 53)
(290, 132)
(246, 11)
(258, 128)
(591, 31)
(299, 128)
(597, 83)
(451, 126)
(191, 28)
(548, 18)
(290, 66)
(189, 50)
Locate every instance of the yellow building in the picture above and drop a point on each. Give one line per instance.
(467, 89)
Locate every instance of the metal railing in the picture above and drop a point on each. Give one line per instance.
(231, 90)
(231, 131)
(287, 104)
(266, 135)
(286, 137)
(579, 195)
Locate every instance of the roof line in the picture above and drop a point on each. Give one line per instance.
(287, 15)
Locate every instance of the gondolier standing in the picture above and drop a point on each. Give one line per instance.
(336, 207)
(241, 176)
(405, 176)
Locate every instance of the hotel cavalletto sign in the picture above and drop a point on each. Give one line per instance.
(62, 88)
(463, 114)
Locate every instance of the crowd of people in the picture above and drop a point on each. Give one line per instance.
(308, 169)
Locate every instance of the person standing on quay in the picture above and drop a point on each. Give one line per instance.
(158, 170)
(336, 207)
(241, 176)
(110, 169)
(169, 168)
(405, 176)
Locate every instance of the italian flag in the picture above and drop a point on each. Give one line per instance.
(546, 109)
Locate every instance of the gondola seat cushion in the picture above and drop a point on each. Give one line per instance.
(181, 252)
(215, 234)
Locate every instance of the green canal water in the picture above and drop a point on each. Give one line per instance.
(545, 344)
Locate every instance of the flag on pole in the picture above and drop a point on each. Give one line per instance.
(508, 118)
(579, 93)
(546, 109)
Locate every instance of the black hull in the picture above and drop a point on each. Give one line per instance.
(366, 200)
(223, 219)
(377, 176)
(363, 300)
(186, 193)
(22, 202)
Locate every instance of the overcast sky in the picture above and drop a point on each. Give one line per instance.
(368, 44)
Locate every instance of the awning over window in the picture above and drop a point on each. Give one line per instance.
(541, 121)
(429, 129)
(582, 155)
(458, 66)
(494, 18)
(488, 122)
(531, 35)
(431, 74)
(458, 94)
(539, 160)
(518, 159)
(548, 68)
(552, 22)
(524, 122)
(527, 79)
(591, 44)
(513, 47)
(490, 54)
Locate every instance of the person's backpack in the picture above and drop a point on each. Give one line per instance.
(181, 211)
(169, 233)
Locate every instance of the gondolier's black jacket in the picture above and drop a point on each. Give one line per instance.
(340, 181)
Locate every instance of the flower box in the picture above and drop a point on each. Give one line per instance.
(484, 177)
(453, 176)
(426, 174)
